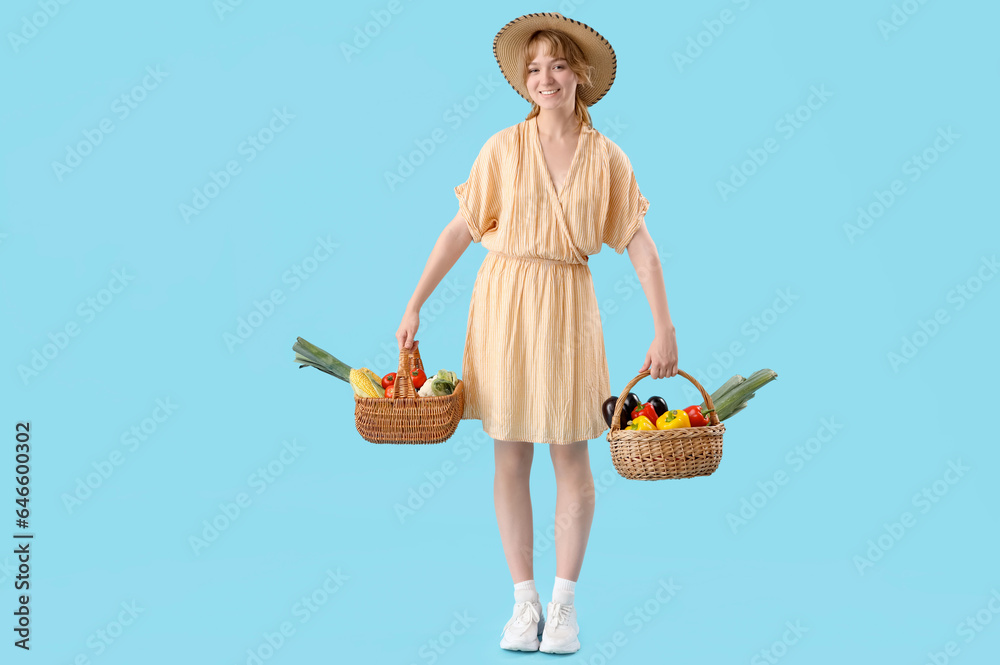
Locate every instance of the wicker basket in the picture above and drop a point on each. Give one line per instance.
(666, 453)
(406, 417)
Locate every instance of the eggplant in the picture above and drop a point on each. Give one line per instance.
(659, 404)
(631, 401)
(608, 409)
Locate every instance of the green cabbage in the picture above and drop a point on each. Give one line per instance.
(442, 383)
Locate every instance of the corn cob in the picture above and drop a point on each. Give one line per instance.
(364, 385)
(365, 382)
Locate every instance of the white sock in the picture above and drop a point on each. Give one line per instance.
(563, 591)
(525, 591)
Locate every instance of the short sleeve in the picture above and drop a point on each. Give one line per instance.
(626, 205)
(480, 197)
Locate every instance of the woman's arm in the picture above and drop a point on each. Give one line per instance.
(450, 245)
(661, 359)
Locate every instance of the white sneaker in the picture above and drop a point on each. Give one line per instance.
(524, 628)
(560, 634)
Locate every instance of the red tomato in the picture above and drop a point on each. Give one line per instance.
(388, 379)
(418, 377)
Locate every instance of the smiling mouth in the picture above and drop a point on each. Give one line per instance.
(549, 94)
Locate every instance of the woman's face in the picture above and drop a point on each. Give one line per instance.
(546, 74)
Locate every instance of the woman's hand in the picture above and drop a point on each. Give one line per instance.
(408, 328)
(661, 359)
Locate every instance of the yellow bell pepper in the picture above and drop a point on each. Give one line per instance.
(673, 420)
(641, 422)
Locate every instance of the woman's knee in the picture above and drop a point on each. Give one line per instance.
(572, 462)
(570, 454)
(513, 455)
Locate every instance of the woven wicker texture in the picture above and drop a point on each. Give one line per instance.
(406, 417)
(666, 453)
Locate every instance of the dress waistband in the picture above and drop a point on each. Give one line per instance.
(533, 259)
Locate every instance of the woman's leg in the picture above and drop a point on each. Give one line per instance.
(512, 498)
(575, 500)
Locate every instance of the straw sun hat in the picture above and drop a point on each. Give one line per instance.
(510, 40)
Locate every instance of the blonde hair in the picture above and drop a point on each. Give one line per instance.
(560, 45)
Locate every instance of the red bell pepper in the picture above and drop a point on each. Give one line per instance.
(645, 409)
(697, 416)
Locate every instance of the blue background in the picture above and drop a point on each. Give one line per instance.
(333, 506)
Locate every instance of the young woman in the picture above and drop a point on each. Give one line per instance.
(542, 196)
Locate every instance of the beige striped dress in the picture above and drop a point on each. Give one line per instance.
(534, 364)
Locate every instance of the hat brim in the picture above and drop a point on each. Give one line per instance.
(512, 37)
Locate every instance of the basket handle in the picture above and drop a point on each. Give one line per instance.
(408, 358)
(713, 418)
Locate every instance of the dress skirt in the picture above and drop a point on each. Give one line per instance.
(534, 363)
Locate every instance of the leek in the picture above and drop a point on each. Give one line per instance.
(733, 395)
